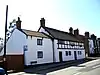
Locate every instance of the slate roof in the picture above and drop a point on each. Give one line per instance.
(34, 33)
(57, 34)
(81, 37)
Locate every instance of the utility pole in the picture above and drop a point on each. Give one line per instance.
(4, 56)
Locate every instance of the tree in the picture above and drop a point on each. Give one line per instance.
(1, 43)
(10, 29)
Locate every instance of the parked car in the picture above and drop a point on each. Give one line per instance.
(2, 71)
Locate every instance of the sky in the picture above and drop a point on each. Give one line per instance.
(59, 14)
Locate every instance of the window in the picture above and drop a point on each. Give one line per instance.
(79, 52)
(63, 46)
(66, 42)
(72, 43)
(66, 53)
(25, 47)
(39, 41)
(69, 52)
(40, 54)
(59, 46)
(61, 42)
(67, 46)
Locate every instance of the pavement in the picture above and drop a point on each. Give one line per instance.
(49, 69)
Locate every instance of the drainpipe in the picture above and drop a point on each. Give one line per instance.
(53, 50)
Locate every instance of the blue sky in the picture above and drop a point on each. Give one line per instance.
(59, 14)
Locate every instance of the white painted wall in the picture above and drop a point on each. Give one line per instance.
(67, 58)
(56, 51)
(15, 44)
(82, 55)
(43, 30)
(91, 46)
(33, 48)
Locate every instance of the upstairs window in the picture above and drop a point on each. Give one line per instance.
(72, 43)
(39, 41)
(61, 42)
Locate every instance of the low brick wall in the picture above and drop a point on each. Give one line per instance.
(14, 62)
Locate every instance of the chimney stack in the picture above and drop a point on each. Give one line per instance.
(76, 32)
(87, 34)
(18, 23)
(42, 22)
(93, 37)
(71, 30)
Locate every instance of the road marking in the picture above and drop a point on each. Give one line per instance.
(77, 73)
(96, 66)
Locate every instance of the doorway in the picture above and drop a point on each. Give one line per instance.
(75, 55)
(60, 56)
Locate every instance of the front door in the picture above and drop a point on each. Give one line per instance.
(75, 55)
(60, 56)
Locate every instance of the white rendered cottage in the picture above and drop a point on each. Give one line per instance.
(26, 47)
(65, 45)
(39, 48)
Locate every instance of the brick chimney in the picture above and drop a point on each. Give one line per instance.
(86, 44)
(76, 32)
(71, 30)
(42, 22)
(87, 34)
(18, 23)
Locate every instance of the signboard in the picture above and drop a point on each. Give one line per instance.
(25, 47)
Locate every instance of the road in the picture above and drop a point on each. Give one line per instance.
(88, 68)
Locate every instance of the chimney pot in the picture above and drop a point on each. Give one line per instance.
(71, 30)
(76, 32)
(18, 23)
(42, 22)
(93, 37)
(87, 34)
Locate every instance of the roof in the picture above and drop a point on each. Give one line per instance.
(34, 33)
(61, 34)
(80, 37)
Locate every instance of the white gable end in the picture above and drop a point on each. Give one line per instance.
(43, 30)
(15, 43)
(91, 46)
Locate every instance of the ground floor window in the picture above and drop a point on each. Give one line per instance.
(79, 52)
(40, 54)
(68, 53)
